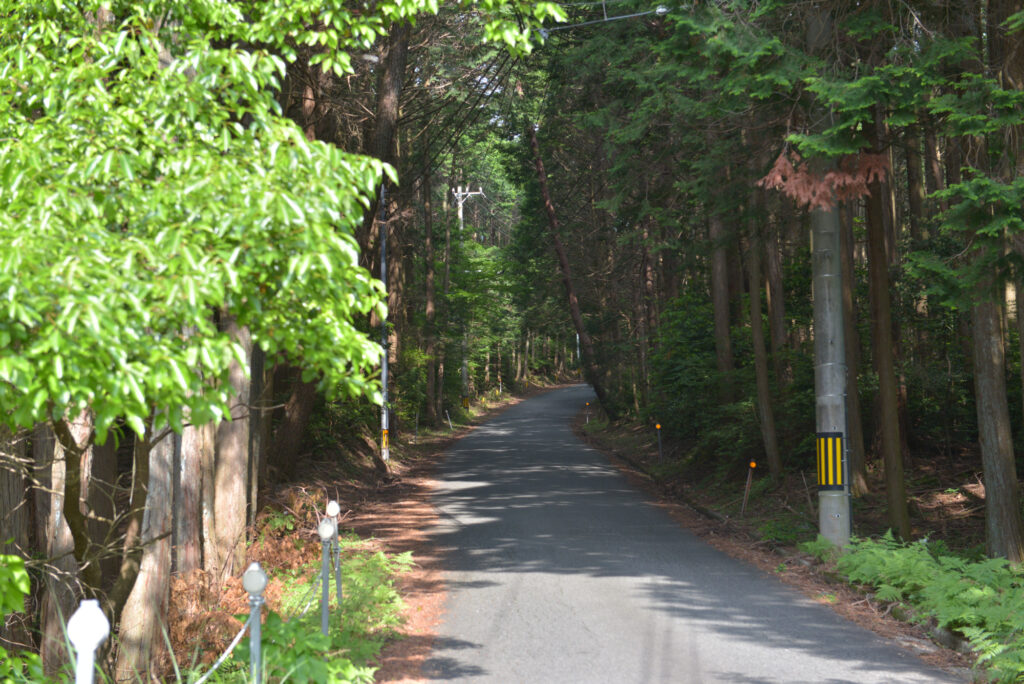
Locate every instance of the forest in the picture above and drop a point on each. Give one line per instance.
(212, 210)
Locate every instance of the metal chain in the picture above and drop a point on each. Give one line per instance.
(224, 656)
(312, 593)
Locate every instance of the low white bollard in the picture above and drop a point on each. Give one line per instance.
(87, 629)
(254, 581)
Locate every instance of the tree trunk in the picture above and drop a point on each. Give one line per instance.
(188, 506)
(934, 180)
(232, 464)
(60, 575)
(776, 309)
(1003, 534)
(139, 635)
(430, 307)
(15, 524)
(915, 184)
(720, 303)
(15, 514)
(291, 431)
(764, 399)
(382, 143)
(856, 462)
(206, 442)
(261, 396)
(590, 364)
(76, 440)
(888, 410)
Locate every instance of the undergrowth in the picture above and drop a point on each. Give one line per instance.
(293, 648)
(981, 599)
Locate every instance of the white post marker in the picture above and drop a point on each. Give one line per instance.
(87, 629)
(333, 510)
(254, 581)
(326, 530)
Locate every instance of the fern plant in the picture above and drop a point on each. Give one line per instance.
(981, 600)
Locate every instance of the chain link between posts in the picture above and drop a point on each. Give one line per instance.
(226, 653)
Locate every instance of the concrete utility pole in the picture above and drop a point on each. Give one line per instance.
(830, 378)
(460, 198)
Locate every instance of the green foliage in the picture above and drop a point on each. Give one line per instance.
(136, 204)
(295, 650)
(981, 599)
(781, 531)
(821, 548)
(149, 180)
(15, 585)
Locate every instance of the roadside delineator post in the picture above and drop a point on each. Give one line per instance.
(661, 456)
(254, 581)
(333, 509)
(746, 491)
(87, 629)
(326, 530)
(588, 413)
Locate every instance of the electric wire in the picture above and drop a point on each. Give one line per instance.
(464, 118)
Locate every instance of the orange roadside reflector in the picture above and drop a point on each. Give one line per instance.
(753, 464)
(657, 426)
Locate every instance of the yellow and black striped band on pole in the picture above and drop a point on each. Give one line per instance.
(830, 460)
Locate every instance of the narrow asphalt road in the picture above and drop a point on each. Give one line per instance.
(559, 571)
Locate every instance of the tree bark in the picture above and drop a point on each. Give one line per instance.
(140, 624)
(720, 304)
(291, 431)
(60, 574)
(764, 399)
(430, 307)
(76, 440)
(132, 543)
(857, 464)
(1003, 533)
(888, 406)
(207, 441)
(188, 506)
(915, 184)
(382, 143)
(776, 309)
(590, 364)
(232, 464)
(15, 524)
(934, 179)
(14, 505)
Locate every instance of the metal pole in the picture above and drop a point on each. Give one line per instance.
(254, 581)
(326, 532)
(385, 451)
(661, 456)
(830, 378)
(333, 509)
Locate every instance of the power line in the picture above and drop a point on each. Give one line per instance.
(660, 10)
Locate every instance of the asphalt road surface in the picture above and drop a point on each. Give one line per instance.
(560, 571)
